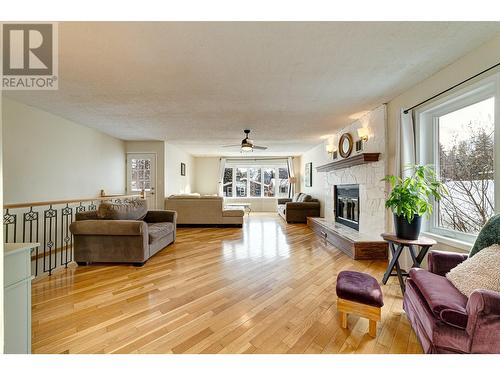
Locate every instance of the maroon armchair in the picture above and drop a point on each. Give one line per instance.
(445, 320)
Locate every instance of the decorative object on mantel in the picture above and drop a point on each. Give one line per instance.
(363, 158)
(308, 175)
(359, 146)
(410, 199)
(183, 169)
(345, 145)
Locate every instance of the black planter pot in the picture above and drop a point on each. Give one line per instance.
(406, 230)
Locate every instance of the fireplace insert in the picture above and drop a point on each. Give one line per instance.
(347, 205)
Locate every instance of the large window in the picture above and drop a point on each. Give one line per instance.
(256, 182)
(458, 138)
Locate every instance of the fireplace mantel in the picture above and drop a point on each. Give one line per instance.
(363, 158)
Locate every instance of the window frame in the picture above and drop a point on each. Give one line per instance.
(261, 167)
(427, 136)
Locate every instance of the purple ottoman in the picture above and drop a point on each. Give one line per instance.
(360, 294)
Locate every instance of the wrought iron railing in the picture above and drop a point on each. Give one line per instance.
(47, 223)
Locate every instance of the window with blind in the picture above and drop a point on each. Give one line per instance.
(254, 180)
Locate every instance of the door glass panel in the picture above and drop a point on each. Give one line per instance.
(141, 175)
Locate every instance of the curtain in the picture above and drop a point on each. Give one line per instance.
(222, 167)
(405, 145)
(291, 177)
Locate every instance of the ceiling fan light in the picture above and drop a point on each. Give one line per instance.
(246, 147)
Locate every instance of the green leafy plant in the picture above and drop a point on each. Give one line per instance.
(413, 195)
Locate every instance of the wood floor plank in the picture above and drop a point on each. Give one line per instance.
(268, 287)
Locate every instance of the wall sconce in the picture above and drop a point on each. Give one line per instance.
(363, 134)
(331, 149)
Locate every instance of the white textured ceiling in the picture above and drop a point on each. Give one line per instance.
(198, 85)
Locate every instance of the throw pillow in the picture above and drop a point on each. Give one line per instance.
(479, 272)
(296, 197)
(306, 198)
(133, 210)
(489, 235)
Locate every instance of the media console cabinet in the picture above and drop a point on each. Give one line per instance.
(17, 297)
(359, 246)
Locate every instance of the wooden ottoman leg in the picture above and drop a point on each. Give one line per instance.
(371, 313)
(372, 329)
(343, 319)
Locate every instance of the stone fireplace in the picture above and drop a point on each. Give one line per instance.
(352, 192)
(367, 178)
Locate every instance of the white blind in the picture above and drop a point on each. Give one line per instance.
(256, 163)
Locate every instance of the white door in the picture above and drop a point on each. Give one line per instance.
(141, 174)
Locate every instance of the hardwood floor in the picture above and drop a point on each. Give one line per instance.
(266, 288)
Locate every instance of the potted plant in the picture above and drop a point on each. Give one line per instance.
(411, 198)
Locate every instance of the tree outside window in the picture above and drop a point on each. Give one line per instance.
(466, 166)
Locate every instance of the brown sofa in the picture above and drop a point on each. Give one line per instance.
(297, 209)
(121, 241)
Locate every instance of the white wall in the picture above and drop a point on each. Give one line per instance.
(483, 57)
(46, 157)
(153, 147)
(207, 175)
(174, 182)
(317, 156)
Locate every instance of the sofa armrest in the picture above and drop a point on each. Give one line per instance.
(283, 200)
(483, 309)
(86, 215)
(302, 205)
(109, 228)
(441, 262)
(161, 216)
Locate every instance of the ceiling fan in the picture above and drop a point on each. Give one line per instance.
(247, 144)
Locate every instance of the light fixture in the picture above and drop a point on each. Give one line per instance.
(246, 147)
(363, 134)
(330, 148)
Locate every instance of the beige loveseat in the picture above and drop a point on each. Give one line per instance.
(195, 209)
